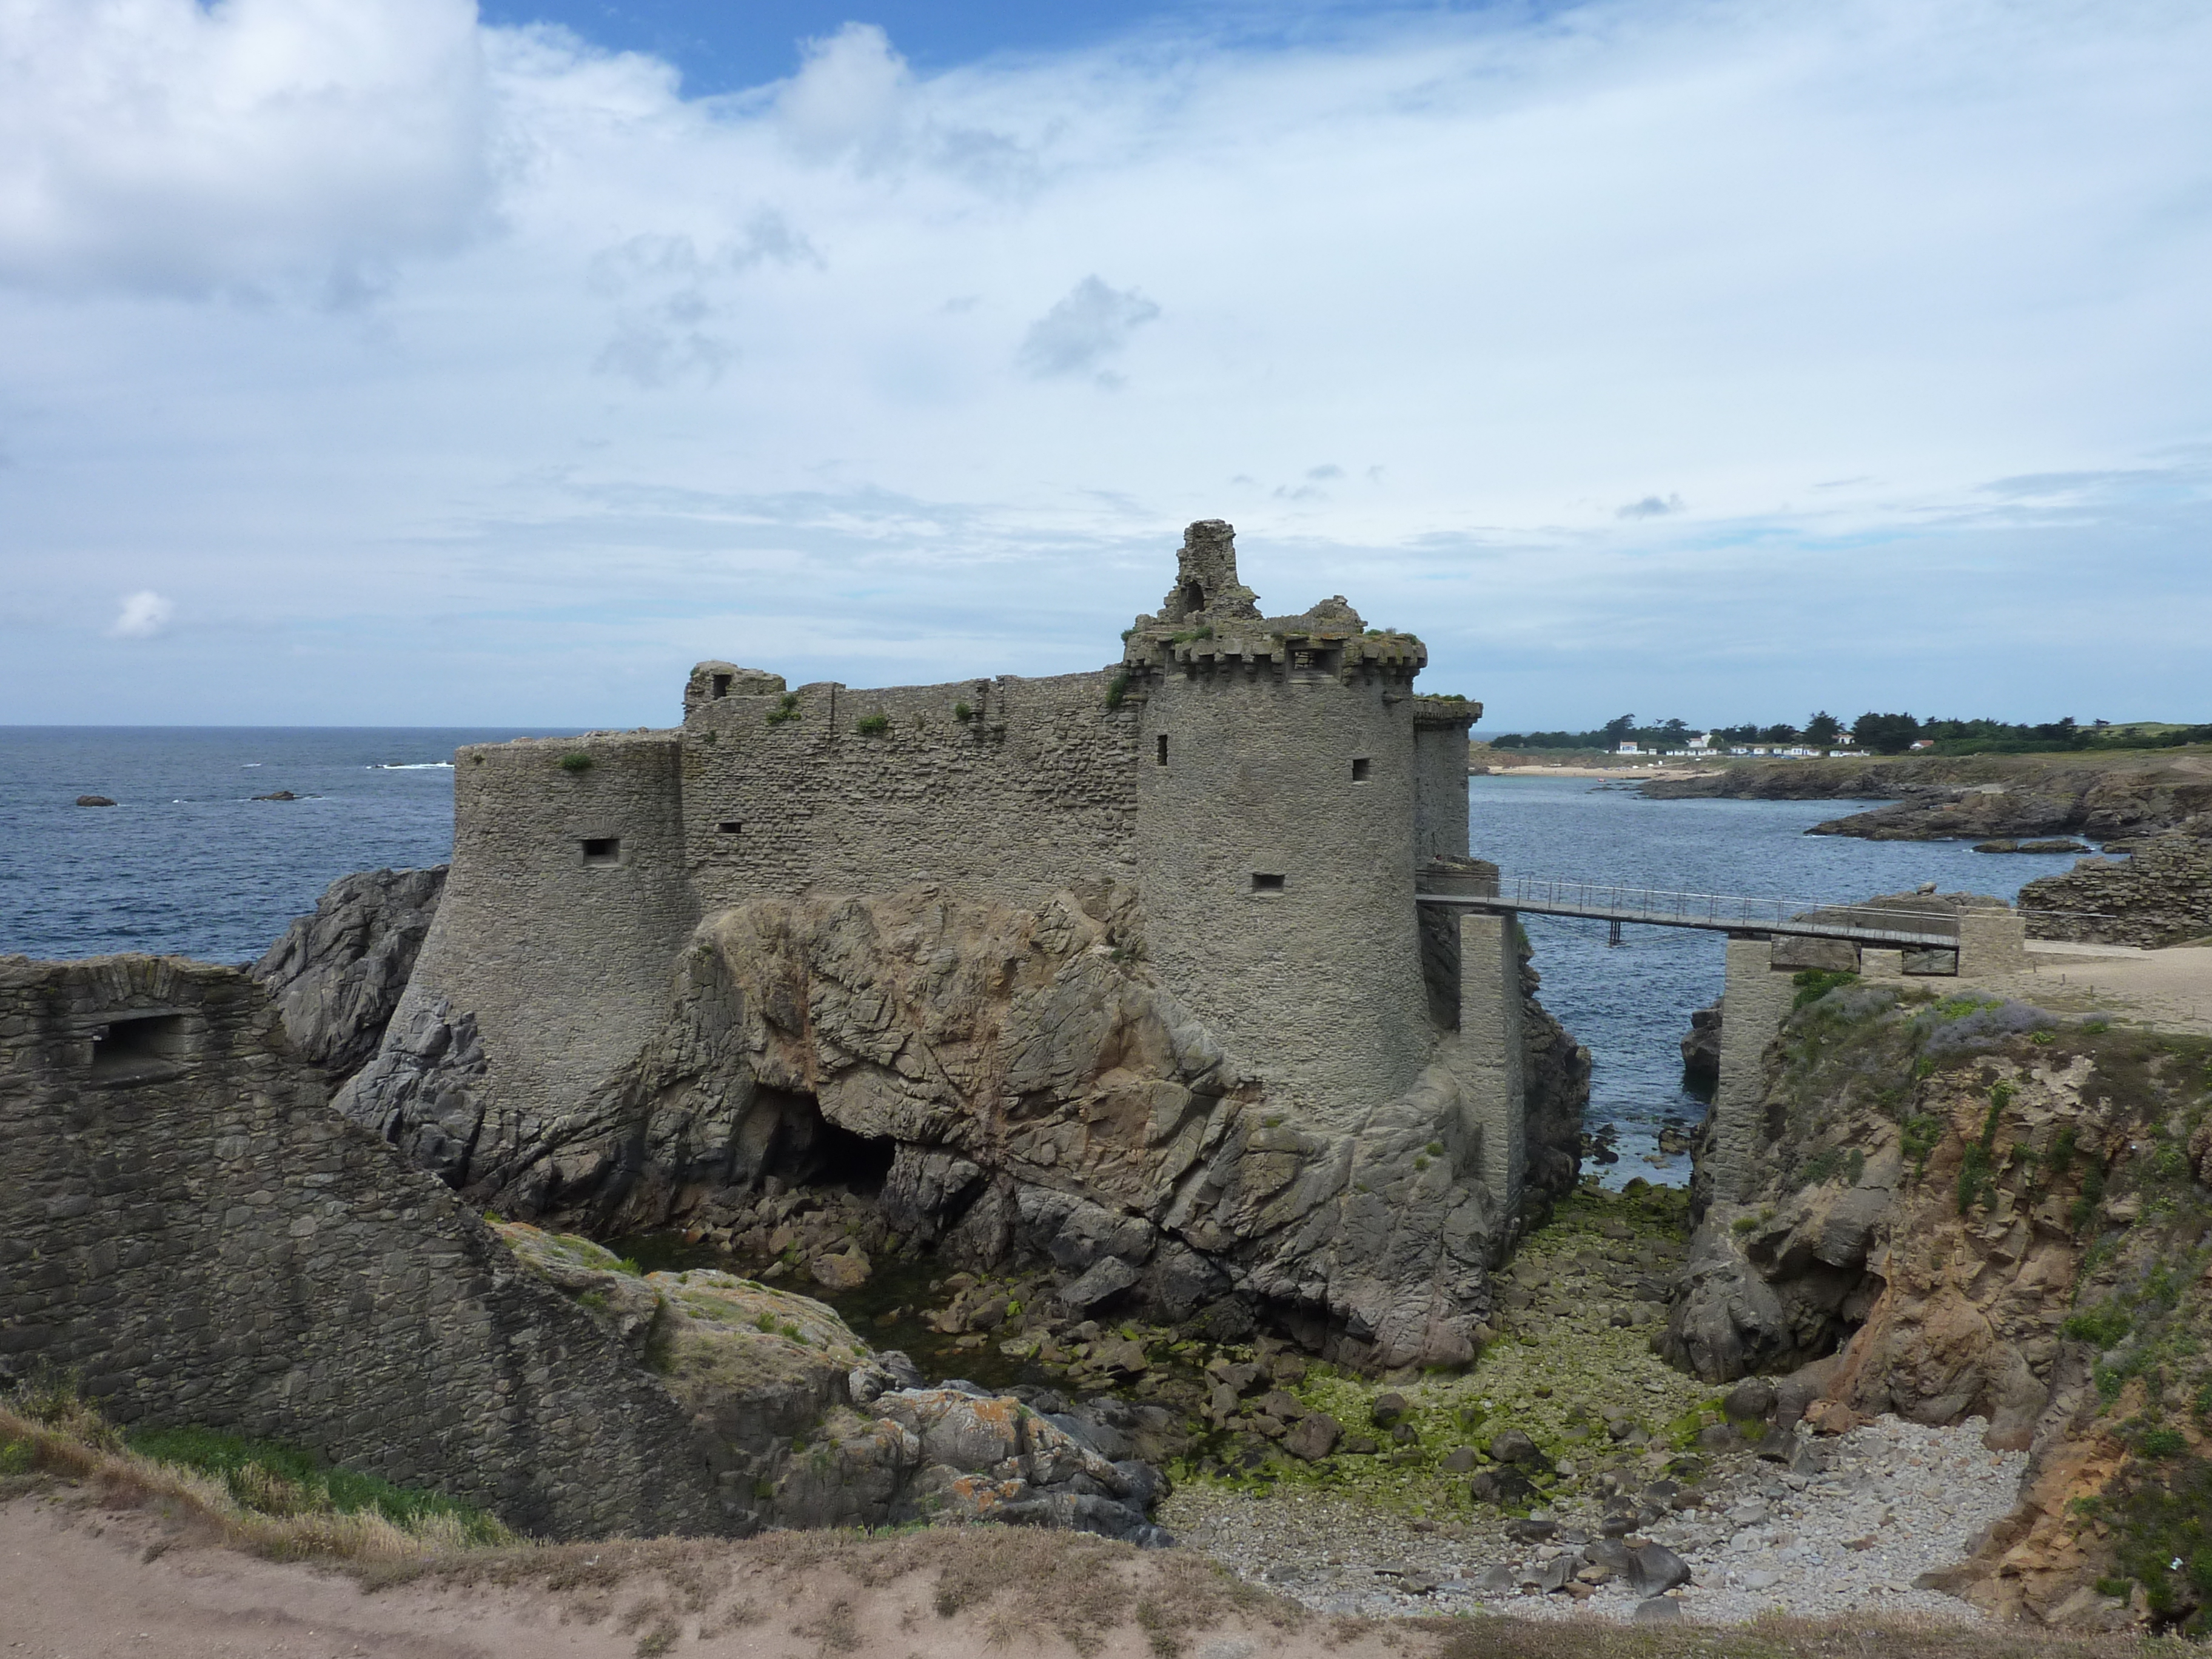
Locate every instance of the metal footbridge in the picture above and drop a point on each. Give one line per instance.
(1718, 913)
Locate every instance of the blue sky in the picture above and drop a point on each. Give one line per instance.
(368, 360)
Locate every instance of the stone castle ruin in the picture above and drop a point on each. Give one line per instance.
(1122, 967)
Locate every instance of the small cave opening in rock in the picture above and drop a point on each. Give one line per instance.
(805, 1149)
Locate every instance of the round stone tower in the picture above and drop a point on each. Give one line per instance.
(1279, 803)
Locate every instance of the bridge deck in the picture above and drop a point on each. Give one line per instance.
(1718, 913)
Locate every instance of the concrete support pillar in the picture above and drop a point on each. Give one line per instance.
(1490, 1067)
(1991, 943)
(1752, 1005)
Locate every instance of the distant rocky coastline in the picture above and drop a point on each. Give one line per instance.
(1976, 796)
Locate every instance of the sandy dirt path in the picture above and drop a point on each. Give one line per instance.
(81, 1582)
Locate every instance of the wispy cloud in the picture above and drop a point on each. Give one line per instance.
(1085, 329)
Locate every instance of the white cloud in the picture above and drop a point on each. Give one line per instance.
(1091, 323)
(781, 374)
(143, 614)
(164, 145)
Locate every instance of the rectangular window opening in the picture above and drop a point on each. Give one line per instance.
(603, 849)
(1164, 750)
(140, 1050)
(1360, 769)
(722, 685)
(1263, 884)
(728, 826)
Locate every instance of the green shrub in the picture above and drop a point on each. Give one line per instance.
(872, 725)
(2096, 1028)
(629, 1265)
(2104, 1325)
(963, 713)
(2163, 1443)
(575, 762)
(2042, 1039)
(1117, 688)
(1921, 1133)
(1814, 983)
(1743, 1224)
(15, 1457)
(786, 708)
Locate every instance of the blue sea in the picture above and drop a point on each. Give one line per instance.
(187, 862)
(1632, 1003)
(190, 863)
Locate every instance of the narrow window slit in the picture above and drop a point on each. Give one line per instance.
(603, 849)
(1266, 883)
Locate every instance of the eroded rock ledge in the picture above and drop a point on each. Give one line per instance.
(1011, 1083)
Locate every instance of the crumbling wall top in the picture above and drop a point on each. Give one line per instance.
(1206, 577)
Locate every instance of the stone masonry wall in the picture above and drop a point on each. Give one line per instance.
(188, 1227)
(1032, 793)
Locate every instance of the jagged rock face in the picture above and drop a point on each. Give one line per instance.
(2161, 894)
(1701, 1045)
(805, 1425)
(1035, 1091)
(1980, 1212)
(337, 975)
(1556, 1070)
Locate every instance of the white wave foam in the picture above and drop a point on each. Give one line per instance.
(413, 766)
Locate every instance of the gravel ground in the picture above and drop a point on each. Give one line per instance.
(1848, 1525)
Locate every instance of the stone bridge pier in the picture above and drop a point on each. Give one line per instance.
(1759, 989)
(1489, 1066)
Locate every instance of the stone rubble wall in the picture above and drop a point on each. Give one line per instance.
(199, 1239)
(2161, 894)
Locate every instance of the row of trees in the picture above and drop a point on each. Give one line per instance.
(1880, 734)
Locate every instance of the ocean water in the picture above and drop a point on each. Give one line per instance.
(1630, 1003)
(190, 863)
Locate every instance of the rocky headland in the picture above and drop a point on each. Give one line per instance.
(1002, 1088)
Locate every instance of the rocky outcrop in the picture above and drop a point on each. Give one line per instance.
(337, 975)
(1701, 1045)
(2161, 895)
(1976, 796)
(1980, 1212)
(806, 1426)
(1014, 1082)
(1556, 1075)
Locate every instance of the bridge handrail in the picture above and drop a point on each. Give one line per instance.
(1710, 909)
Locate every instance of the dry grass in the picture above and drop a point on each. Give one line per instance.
(1777, 1636)
(52, 1434)
(1012, 1584)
